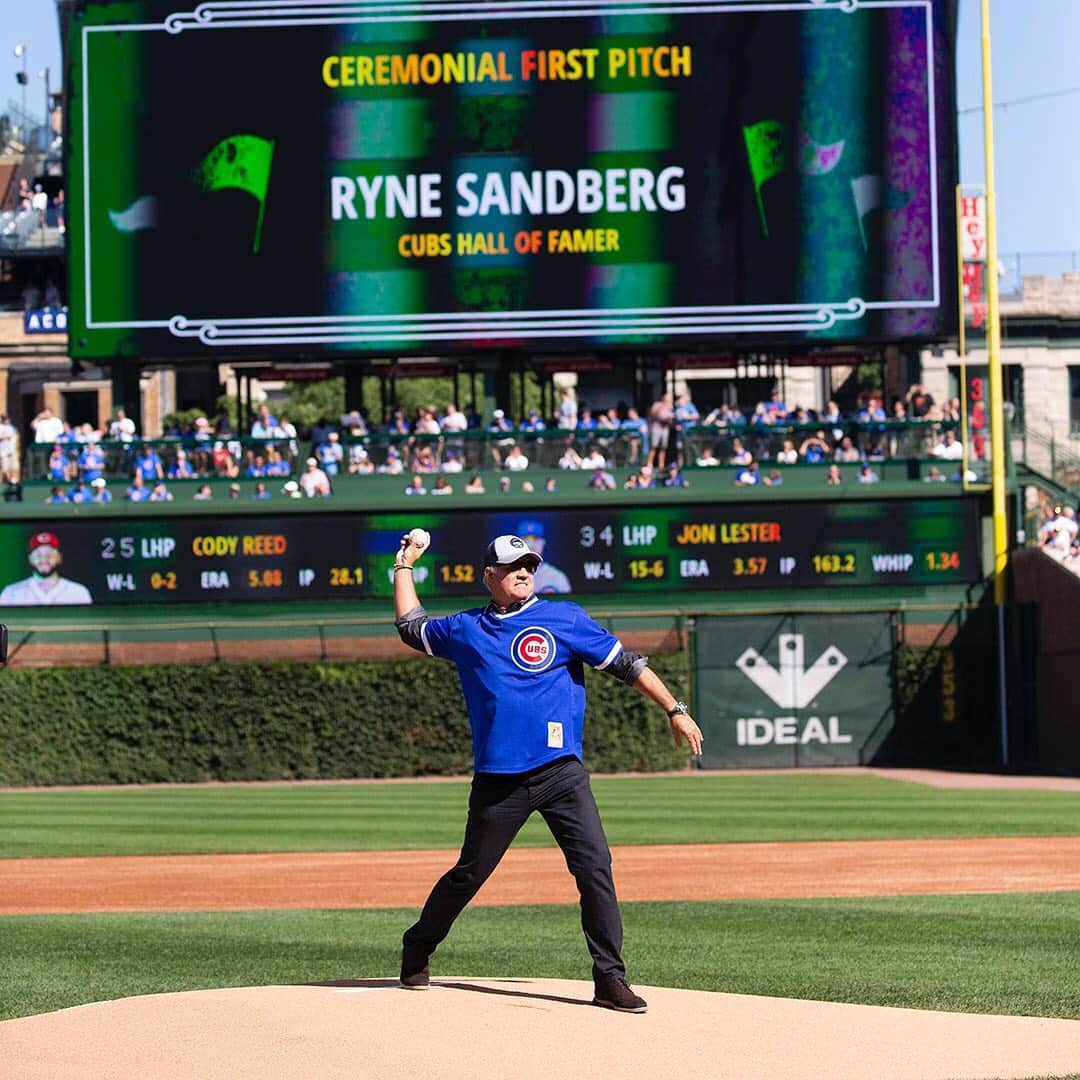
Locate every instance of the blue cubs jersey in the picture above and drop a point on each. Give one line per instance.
(522, 674)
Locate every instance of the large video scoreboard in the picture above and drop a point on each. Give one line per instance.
(620, 551)
(434, 177)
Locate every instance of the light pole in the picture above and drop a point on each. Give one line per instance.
(46, 137)
(22, 78)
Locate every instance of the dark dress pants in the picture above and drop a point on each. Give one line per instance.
(498, 807)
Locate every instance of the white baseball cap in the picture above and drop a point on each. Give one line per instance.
(507, 549)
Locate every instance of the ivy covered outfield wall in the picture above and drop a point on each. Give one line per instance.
(273, 721)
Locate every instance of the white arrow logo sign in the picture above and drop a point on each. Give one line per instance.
(793, 686)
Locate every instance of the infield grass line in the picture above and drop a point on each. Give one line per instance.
(1009, 954)
(220, 819)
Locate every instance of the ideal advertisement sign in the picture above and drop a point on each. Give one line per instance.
(793, 690)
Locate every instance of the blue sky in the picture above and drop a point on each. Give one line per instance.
(1037, 143)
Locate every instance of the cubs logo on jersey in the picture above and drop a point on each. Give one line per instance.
(533, 649)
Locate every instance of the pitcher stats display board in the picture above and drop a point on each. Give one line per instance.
(623, 551)
(436, 177)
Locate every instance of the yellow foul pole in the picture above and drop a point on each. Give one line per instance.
(993, 330)
(997, 412)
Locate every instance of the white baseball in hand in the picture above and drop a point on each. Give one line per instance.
(420, 539)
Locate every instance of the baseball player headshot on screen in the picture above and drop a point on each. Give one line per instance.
(520, 660)
(45, 585)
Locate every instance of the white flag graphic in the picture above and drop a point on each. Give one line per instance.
(866, 191)
(141, 214)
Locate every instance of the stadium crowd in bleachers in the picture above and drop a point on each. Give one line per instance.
(671, 437)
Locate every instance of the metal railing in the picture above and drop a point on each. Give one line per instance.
(1055, 458)
(552, 448)
(1016, 264)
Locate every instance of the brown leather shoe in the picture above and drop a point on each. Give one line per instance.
(616, 994)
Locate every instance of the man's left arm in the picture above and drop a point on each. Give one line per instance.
(603, 651)
(683, 726)
(633, 669)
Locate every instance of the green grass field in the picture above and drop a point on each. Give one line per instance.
(646, 810)
(1011, 954)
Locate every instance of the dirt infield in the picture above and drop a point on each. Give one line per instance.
(375, 879)
(527, 1029)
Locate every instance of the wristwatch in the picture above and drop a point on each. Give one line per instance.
(678, 709)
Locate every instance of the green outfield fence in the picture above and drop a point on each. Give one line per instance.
(933, 702)
(257, 706)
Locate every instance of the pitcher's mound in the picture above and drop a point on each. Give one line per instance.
(529, 1029)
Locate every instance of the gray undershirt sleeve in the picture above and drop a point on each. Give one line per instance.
(409, 626)
(627, 666)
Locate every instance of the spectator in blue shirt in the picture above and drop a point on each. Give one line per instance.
(635, 429)
(148, 464)
(398, 425)
(91, 462)
(57, 496)
(532, 422)
(748, 475)
(586, 421)
(160, 493)
(499, 424)
(261, 490)
(137, 491)
(686, 417)
(101, 492)
(815, 448)
(739, 454)
(266, 424)
(58, 465)
(674, 477)
(80, 493)
(872, 412)
(686, 412)
(181, 468)
(257, 467)
(331, 454)
(775, 407)
(503, 431)
(276, 465)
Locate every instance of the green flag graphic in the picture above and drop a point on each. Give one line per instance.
(766, 151)
(240, 161)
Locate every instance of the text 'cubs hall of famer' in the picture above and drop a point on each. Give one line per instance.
(520, 661)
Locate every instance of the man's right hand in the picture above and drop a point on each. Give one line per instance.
(409, 551)
(405, 598)
(413, 545)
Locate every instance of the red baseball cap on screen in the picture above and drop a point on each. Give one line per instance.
(43, 539)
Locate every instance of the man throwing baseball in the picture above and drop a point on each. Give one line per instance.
(520, 661)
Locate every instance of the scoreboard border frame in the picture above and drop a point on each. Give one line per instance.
(417, 330)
